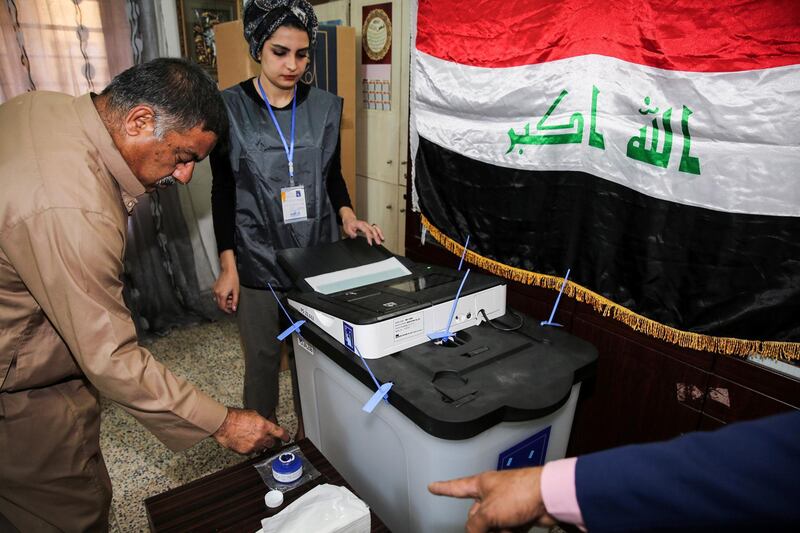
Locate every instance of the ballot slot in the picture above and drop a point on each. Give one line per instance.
(384, 303)
(355, 295)
(373, 300)
(453, 387)
(456, 340)
(421, 283)
(391, 296)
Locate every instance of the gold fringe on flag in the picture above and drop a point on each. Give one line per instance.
(604, 306)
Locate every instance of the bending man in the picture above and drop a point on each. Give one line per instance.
(71, 169)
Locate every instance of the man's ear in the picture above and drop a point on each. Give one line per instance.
(139, 120)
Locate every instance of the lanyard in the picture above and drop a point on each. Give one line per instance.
(289, 149)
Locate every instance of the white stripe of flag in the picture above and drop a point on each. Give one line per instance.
(741, 153)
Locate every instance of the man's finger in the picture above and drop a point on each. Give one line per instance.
(280, 433)
(465, 487)
(478, 522)
(474, 509)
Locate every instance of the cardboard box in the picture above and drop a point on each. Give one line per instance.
(234, 63)
(347, 90)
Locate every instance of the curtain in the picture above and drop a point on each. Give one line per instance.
(66, 46)
(162, 286)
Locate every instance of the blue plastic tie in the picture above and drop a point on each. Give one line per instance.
(464, 253)
(383, 390)
(295, 325)
(549, 321)
(445, 333)
(291, 329)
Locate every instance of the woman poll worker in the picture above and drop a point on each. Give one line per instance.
(277, 183)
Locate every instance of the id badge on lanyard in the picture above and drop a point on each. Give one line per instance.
(293, 202)
(293, 198)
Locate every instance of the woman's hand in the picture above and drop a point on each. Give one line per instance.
(352, 226)
(226, 288)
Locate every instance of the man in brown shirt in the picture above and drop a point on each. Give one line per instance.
(70, 172)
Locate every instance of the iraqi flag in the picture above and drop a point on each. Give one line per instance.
(652, 148)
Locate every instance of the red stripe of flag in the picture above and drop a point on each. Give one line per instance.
(685, 35)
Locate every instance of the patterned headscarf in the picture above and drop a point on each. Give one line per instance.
(263, 17)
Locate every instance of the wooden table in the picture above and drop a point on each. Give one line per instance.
(232, 499)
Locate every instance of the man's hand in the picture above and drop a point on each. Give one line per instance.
(246, 431)
(351, 226)
(226, 288)
(504, 499)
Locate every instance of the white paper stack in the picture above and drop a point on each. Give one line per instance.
(323, 509)
(351, 278)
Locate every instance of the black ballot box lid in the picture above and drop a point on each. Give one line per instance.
(483, 377)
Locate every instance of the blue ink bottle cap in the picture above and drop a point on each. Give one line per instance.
(287, 467)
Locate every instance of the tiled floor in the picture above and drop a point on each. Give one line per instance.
(208, 355)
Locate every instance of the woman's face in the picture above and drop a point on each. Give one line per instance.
(284, 57)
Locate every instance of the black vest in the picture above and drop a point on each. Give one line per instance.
(260, 169)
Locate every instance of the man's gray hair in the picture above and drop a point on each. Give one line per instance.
(181, 94)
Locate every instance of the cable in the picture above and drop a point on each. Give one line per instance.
(513, 328)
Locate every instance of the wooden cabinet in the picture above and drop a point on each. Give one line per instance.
(382, 141)
(400, 228)
(743, 390)
(648, 390)
(639, 394)
(383, 203)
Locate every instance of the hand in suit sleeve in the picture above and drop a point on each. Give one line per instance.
(502, 499)
(745, 475)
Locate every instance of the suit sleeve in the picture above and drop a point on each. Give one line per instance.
(70, 260)
(744, 475)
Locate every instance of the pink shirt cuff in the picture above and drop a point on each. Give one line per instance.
(558, 491)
